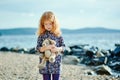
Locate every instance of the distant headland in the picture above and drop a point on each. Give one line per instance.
(32, 31)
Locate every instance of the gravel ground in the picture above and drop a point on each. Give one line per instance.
(15, 66)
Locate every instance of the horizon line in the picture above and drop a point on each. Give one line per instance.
(62, 28)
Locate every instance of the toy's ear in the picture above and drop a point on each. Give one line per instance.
(52, 42)
(43, 44)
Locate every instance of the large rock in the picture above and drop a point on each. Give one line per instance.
(32, 51)
(105, 52)
(117, 44)
(98, 61)
(19, 50)
(103, 69)
(99, 54)
(117, 51)
(4, 49)
(71, 60)
(67, 51)
(94, 49)
(115, 66)
(89, 53)
(90, 72)
(76, 47)
(77, 52)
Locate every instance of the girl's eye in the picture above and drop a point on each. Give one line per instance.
(48, 24)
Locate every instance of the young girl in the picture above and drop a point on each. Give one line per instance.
(49, 28)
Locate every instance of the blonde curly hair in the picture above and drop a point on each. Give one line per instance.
(49, 16)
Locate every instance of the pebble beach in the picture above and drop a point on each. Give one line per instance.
(15, 66)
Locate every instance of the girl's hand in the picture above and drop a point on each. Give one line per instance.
(54, 49)
(50, 47)
(42, 49)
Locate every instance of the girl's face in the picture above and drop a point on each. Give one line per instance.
(48, 25)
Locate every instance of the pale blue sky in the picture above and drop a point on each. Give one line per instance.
(72, 14)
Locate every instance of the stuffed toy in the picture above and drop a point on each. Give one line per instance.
(47, 55)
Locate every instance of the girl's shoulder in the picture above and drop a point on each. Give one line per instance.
(60, 37)
(40, 36)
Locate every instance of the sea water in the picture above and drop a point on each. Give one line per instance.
(101, 40)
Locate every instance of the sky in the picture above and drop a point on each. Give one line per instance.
(72, 14)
